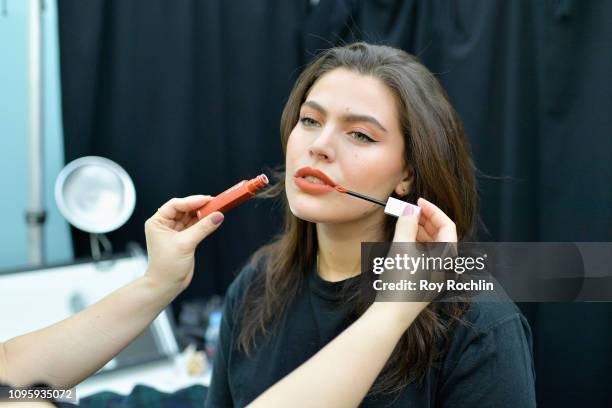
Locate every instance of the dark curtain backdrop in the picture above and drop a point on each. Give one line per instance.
(187, 97)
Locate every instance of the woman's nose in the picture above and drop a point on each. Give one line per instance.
(323, 146)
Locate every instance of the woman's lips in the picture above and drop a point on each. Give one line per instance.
(311, 186)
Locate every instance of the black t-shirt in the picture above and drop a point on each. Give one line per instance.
(488, 364)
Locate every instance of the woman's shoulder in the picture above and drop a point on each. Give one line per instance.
(493, 340)
(245, 278)
(487, 313)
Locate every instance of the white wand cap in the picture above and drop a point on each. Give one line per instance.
(396, 207)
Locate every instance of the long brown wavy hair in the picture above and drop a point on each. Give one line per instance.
(436, 149)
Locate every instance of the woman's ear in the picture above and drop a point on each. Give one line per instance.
(404, 186)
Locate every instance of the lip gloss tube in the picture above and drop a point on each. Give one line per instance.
(233, 196)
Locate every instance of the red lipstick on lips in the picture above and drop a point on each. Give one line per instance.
(312, 187)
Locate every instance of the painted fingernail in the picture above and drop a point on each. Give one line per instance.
(411, 210)
(217, 218)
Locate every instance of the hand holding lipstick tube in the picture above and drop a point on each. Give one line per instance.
(233, 196)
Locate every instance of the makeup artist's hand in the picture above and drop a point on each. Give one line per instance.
(434, 224)
(431, 225)
(173, 233)
(67, 352)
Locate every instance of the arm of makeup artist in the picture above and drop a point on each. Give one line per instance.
(64, 354)
(328, 378)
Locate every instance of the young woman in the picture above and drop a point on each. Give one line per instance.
(374, 120)
(294, 332)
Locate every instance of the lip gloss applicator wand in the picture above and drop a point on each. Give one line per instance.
(393, 206)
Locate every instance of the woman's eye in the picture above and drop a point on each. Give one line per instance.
(362, 137)
(306, 121)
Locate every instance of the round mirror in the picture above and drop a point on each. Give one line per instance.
(95, 194)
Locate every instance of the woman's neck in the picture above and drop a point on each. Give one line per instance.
(340, 246)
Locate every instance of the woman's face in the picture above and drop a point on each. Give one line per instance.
(348, 129)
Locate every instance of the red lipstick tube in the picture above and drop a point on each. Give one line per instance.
(233, 196)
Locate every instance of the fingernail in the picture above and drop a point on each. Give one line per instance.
(411, 210)
(216, 218)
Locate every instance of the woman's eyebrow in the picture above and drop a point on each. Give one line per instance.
(348, 117)
(364, 118)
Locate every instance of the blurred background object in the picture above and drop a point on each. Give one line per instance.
(35, 297)
(96, 196)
